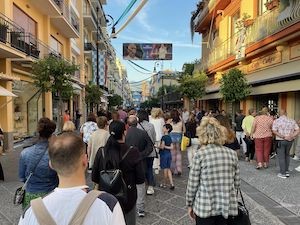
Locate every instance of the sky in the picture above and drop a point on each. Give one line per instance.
(160, 21)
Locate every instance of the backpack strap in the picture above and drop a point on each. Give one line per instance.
(44, 218)
(41, 213)
(83, 208)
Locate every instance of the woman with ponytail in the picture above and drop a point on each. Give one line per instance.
(131, 166)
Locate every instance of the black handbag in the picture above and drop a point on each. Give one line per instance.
(243, 214)
(112, 181)
(19, 195)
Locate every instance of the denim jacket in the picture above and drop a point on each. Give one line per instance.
(44, 179)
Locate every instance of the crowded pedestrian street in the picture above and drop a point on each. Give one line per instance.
(270, 201)
(149, 112)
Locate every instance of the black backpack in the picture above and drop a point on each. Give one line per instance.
(112, 181)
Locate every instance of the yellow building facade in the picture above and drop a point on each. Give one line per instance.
(31, 30)
(259, 37)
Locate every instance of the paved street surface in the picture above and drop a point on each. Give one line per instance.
(270, 200)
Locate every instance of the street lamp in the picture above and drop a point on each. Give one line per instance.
(157, 63)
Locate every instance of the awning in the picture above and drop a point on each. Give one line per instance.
(6, 93)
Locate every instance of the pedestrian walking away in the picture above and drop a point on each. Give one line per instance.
(139, 139)
(70, 202)
(165, 147)
(131, 167)
(176, 135)
(34, 164)
(215, 167)
(247, 127)
(262, 134)
(286, 130)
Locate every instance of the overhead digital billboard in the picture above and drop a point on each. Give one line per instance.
(147, 51)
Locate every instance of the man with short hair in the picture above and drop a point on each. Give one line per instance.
(286, 130)
(68, 158)
(139, 139)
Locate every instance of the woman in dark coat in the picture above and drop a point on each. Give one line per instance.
(131, 167)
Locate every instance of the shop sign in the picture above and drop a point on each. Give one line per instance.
(265, 61)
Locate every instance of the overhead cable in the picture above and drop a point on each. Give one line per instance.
(138, 9)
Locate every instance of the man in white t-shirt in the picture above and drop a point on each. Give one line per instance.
(68, 158)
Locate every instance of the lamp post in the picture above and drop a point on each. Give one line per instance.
(157, 63)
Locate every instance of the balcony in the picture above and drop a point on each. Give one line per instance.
(48, 7)
(265, 26)
(270, 24)
(205, 12)
(89, 17)
(88, 50)
(67, 22)
(11, 39)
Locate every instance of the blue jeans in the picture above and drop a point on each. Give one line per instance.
(149, 171)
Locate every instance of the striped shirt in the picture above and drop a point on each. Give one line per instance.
(213, 181)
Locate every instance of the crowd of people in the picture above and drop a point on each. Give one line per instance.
(142, 144)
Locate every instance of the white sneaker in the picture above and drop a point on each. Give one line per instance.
(150, 190)
(297, 168)
(296, 158)
(281, 176)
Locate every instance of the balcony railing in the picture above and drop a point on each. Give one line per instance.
(89, 47)
(65, 12)
(88, 11)
(263, 26)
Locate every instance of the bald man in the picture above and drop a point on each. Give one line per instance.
(286, 130)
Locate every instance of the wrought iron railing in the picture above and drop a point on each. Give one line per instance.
(89, 46)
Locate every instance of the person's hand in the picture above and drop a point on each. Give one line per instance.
(288, 138)
(191, 213)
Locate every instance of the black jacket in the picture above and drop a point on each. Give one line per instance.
(131, 167)
(139, 139)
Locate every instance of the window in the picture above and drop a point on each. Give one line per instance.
(55, 45)
(262, 7)
(234, 20)
(23, 20)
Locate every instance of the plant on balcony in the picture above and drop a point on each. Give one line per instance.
(193, 86)
(93, 95)
(234, 87)
(246, 20)
(271, 4)
(53, 74)
(3, 32)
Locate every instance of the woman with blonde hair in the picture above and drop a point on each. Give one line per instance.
(211, 194)
(69, 126)
(158, 122)
(262, 134)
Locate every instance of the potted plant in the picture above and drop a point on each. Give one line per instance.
(3, 32)
(271, 4)
(246, 20)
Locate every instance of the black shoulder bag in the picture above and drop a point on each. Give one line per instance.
(153, 145)
(20, 192)
(243, 214)
(112, 181)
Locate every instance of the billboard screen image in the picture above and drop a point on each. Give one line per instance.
(147, 51)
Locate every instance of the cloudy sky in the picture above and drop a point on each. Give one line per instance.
(160, 21)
